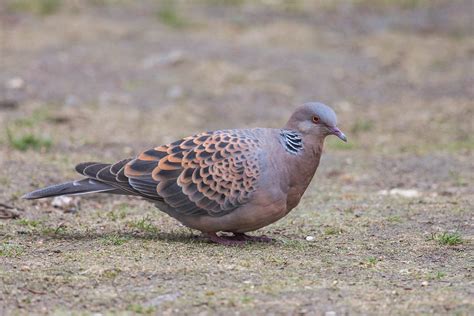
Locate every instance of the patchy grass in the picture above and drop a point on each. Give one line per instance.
(36, 117)
(39, 7)
(144, 225)
(111, 273)
(10, 250)
(371, 261)
(450, 239)
(53, 231)
(394, 219)
(31, 224)
(28, 141)
(117, 215)
(115, 240)
(23, 133)
(332, 231)
(140, 309)
(168, 14)
(438, 275)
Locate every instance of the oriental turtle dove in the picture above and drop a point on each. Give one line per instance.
(221, 181)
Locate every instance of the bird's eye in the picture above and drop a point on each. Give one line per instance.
(315, 119)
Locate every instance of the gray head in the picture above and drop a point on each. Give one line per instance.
(314, 118)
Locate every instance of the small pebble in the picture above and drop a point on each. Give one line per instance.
(15, 83)
(62, 201)
(410, 193)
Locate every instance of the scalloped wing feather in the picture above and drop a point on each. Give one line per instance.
(212, 172)
(108, 173)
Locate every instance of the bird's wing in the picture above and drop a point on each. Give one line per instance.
(112, 174)
(209, 173)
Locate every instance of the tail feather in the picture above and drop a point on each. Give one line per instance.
(101, 177)
(71, 188)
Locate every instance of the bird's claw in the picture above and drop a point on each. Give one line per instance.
(225, 241)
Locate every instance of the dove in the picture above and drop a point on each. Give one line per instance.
(224, 183)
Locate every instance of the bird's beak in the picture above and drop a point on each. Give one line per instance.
(336, 131)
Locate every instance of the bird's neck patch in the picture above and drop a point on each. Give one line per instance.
(292, 141)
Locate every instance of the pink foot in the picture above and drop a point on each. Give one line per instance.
(244, 237)
(223, 240)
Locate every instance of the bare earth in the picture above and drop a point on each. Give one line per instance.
(101, 80)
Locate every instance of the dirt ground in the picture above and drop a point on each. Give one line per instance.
(386, 227)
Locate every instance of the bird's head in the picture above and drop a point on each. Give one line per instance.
(314, 118)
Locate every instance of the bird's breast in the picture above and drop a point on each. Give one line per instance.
(300, 172)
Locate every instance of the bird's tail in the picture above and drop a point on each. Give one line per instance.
(83, 186)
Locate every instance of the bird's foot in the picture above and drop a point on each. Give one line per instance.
(244, 237)
(226, 241)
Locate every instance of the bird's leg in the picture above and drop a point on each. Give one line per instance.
(226, 241)
(244, 237)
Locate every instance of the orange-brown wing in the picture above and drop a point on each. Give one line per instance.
(212, 172)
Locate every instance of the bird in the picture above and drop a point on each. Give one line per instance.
(223, 183)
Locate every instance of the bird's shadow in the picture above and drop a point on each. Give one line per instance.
(181, 237)
(111, 236)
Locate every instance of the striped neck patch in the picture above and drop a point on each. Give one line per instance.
(292, 141)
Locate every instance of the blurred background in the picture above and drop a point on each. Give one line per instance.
(107, 78)
(103, 79)
(398, 72)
